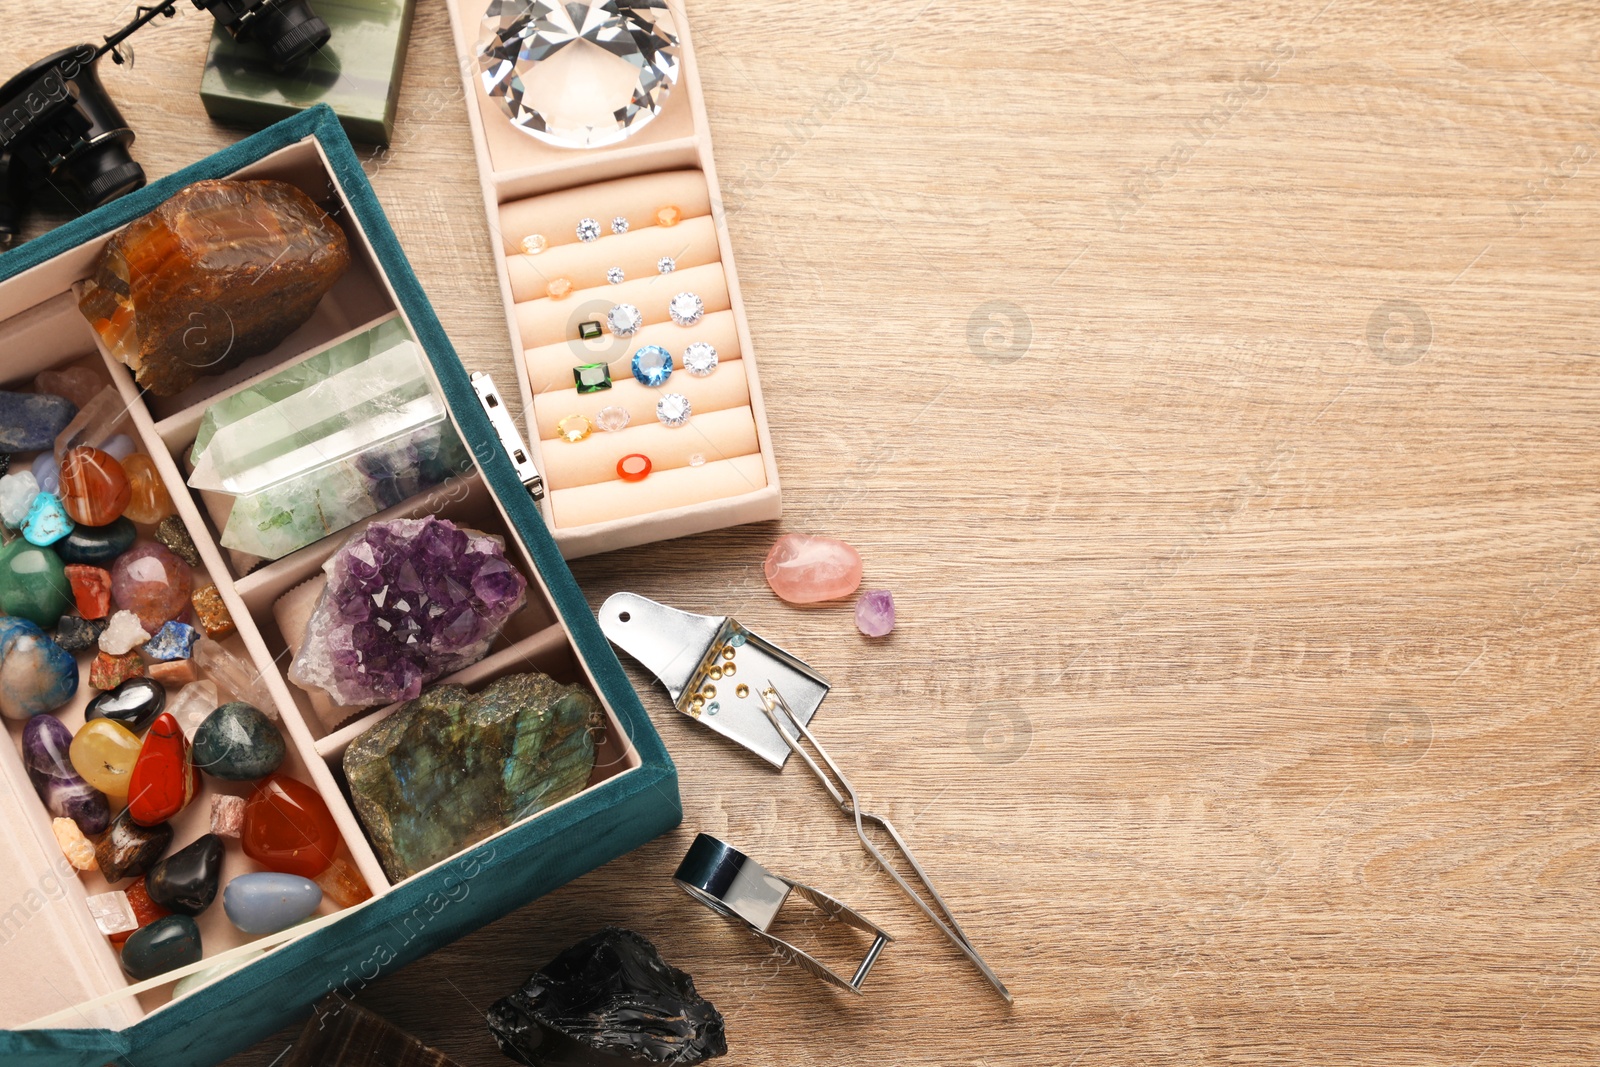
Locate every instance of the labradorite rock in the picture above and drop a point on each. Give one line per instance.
(33, 584)
(450, 768)
(163, 946)
(238, 743)
(96, 545)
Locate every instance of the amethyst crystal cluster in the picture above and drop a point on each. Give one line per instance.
(407, 602)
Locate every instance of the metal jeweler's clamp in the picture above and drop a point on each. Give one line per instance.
(736, 886)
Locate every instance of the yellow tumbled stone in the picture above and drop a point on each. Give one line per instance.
(104, 753)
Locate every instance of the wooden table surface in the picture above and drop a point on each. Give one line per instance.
(1216, 393)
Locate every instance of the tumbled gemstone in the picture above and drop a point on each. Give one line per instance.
(91, 589)
(118, 447)
(78, 850)
(652, 365)
(30, 421)
(164, 945)
(220, 272)
(700, 359)
(875, 612)
(128, 849)
(33, 584)
(151, 582)
(96, 545)
(16, 497)
(46, 521)
(558, 288)
(104, 753)
(673, 409)
(186, 882)
(805, 570)
(288, 828)
(133, 704)
(163, 780)
(46, 743)
(36, 674)
(236, 742)
(148, 499)
(108, 671)
(46, 472)
(342, 883)
(268, 901)
(94, 488)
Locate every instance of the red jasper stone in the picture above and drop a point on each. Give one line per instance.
(288, 828)
(91, 589)
(163, 779)
(145, 910)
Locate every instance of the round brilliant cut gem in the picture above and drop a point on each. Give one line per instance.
(612, 418)
(673, 409)
(696, 459)
(666, 265)
(700, 359)
(619, 225)
(624, 320)
(578, 73)
(669, 216)
(686, 309)
(559, 288)
(588, 230)
(652, 365)
(615, 276)
(533, 244)
(574, 428)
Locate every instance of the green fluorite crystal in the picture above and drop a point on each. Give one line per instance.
(451, 768)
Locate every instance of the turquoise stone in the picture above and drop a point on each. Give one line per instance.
(163, 946)
(96, 545)
(47, 520)
(36, 674)
(33, 584)
(268, 901)
(238, 744)
(29, 422)
(448, 769)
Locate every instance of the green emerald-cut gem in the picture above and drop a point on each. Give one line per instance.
(592, 377)
(588, 331)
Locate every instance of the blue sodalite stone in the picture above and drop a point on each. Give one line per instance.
(31, 421)
(652, 365)
(96, 545)
(47, 521)
(267, 901)
(175, 640)
(36, 674)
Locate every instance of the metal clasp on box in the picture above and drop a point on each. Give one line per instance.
(737, 887)
(506, 430)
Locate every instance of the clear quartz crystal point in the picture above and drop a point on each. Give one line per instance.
(583, 74)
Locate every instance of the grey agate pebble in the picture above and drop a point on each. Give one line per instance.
(238, 743)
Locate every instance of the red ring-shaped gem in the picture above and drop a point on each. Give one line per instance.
(633, 468)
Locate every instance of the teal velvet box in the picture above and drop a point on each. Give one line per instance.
(631, 798)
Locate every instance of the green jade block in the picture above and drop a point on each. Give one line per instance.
(357, 73)
(326, 443)
(449, 769)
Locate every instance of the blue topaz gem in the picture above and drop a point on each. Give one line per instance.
(652, 365)
(47, 521)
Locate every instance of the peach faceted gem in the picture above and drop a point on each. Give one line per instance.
(806, 570)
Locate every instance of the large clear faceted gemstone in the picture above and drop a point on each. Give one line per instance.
(583, 74)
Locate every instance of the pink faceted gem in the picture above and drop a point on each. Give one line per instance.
(151, 582)
(875, 612)
(227, 815)
(804, 570)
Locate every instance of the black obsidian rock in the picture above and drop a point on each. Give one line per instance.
(609, 999)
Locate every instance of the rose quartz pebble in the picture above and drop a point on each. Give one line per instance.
(804, 570)
(227, 815)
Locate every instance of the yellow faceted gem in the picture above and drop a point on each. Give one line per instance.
(727, 653)
(729, 670)
(669, 216)
(103, 752)
(559, 288)
(574, 428)
(742, 690)
(715, 673)
(709, 691)
(533, 244)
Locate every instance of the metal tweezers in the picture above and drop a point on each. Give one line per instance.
(844, 794)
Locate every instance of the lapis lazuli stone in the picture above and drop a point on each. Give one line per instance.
(268, 901)
(47, 521)
(36, 674)
(175, 640)
(96, 545)
(30, 421)
(652, 365)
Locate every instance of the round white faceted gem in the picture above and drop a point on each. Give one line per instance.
(624, 320)
(619, 225)
(666, 265)
(700, 359)
(612, 418)
(673, 409)
(686, 309)
(588, 230)
(615, 276)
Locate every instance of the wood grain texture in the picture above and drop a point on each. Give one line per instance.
(1216, 392)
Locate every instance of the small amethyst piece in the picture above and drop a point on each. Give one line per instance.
(875, 612)
(45, 741)
(609, 999)
(407, 602)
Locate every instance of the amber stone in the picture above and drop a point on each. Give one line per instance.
(94, 487)
(212, 614)
(108, 671)
(148, 502)
(288, 828)
(342, 883)
(219, 273)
